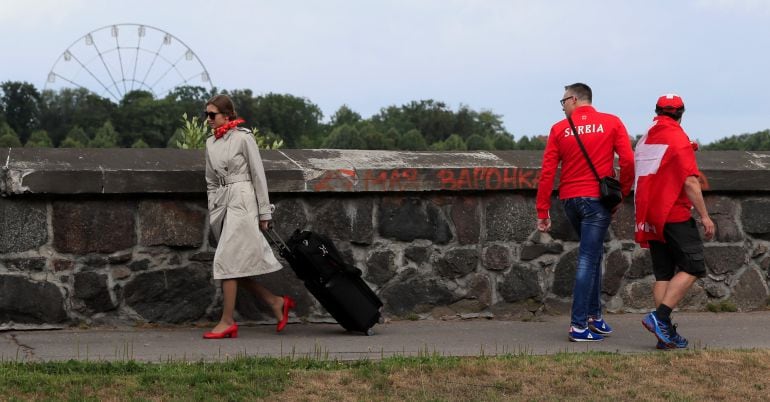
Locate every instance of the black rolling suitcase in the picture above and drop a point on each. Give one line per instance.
(338, 286)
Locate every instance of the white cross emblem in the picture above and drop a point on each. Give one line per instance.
(647, 158)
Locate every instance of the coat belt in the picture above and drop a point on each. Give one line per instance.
(233, 178)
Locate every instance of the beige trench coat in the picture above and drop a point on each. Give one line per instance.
(238, 200)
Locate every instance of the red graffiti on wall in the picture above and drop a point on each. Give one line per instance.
(479, 178)
(487, 178)
(368, 180)
(337, 180)
(391, 180)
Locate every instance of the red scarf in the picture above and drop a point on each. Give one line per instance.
(664, 159)
(223, 129)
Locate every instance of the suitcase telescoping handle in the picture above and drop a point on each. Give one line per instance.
(275, 239)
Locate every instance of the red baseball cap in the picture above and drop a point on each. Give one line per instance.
(670, 101)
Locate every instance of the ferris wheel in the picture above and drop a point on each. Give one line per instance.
(116, 59)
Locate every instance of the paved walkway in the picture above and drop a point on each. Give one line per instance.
(459, 338)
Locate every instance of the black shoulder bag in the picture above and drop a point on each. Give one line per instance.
(609, 187)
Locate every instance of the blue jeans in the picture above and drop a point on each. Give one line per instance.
(591, 220)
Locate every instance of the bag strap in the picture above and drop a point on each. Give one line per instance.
(582, 148)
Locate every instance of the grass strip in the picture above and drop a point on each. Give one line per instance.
(667, 376)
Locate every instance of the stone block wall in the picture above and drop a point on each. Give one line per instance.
(433, 238)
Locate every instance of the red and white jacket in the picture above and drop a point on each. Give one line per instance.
(603, 136)
(664, 159)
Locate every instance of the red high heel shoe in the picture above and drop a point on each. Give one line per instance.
(288, 304)
(230, 332)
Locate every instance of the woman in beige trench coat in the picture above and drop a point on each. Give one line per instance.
(239, 210)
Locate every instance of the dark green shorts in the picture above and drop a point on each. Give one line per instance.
(683, 250)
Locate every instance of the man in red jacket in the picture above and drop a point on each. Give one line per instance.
(667, 188)
(603, 135)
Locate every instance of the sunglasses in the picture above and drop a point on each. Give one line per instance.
(565, 100)
(211, 115)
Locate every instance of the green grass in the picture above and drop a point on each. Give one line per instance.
(242, 378)
(695, 375)
(724, 306)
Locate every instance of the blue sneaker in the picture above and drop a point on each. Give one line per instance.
(680, 342)
(661, 330)
(599, 326)
(583, 335)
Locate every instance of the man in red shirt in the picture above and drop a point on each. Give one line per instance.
(667, 188)
(603, 136)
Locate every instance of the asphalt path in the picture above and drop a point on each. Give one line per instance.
(405, 338)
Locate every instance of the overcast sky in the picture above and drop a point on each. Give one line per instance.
(509, 56)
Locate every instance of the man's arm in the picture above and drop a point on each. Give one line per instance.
(694, 193)
(545, 184)
(622, 147)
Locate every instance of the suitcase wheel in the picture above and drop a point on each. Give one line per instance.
(370, 332)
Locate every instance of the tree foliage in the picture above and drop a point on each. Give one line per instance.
(76, 138)
(289, 117)
(759, 141)
(344, 115)
(78, 118)
(39, 139)
(8, 137)
(345, 137)
(478, 143)
(105, 137)
(20, 104)
(412, 140)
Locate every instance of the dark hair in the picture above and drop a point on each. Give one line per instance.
(674, 113)
(224, 104)
(580, 91)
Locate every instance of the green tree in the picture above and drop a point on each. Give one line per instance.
(454, 143)
(377, 140)
(412, 140)
(433, 119)
(373, 138)
(531, 144)
(344, 137)
(105, 137)
(245, 105)
(190, 100)
(64, 109)
(436, 121)
(139, 144)
(76, 138)
(39, 139)
(759, 141)
(504, 142)
(70, 143)
(490, 123)
(394, 135)
(290, 117)
(466, 122)
(19, 104)
(476, 143)
(140, 116)
(345, 115)
(8, 137)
